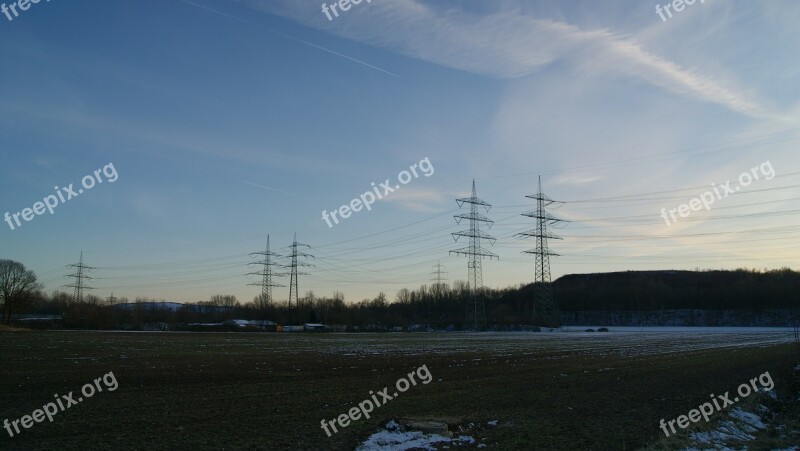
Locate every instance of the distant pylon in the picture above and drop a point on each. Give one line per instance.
(545, 307)
(476, 308)
(438, 286)
(80, 276)
(293, 284)
(111, 299)
(266, 274)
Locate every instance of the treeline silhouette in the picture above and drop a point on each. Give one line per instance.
(742, 289)
(620, 298)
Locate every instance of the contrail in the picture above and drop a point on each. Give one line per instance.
(271, 188)
(310, 44)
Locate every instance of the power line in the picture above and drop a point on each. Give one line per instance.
(662, 156)
(265, 298)
(80, 276)
(296, 262)
(545, 307)
(476, 308)
(439, 285)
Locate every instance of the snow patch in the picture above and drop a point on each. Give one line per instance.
(391, 438)
(739, 428)
(749, 418)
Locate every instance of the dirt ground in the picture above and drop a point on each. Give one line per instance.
(270, 391)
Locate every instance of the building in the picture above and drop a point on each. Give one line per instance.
(311, 327)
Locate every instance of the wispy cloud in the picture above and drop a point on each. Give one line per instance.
(418, 199)
(576, 179)
(304, 42)
(507, 44)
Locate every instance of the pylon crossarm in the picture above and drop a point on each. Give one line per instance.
(479, 252)
(543, 198)
(473, 217)
(260, 284)
(474, 234)
(537, 234)
(541, 252)
(267, 254)
(473, 200)
(546, 216)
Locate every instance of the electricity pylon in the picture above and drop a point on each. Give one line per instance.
(293, 285)
(438, 285)
(80, 276)
(476, 308)
(266, 273)
(545, 307)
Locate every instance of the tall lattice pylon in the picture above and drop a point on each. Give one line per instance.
(438, 282)
(545, 307)
(296, 262)
(266, 262)
(476, 307)
(79, 276)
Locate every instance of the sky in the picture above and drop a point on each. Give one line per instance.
(214, 123)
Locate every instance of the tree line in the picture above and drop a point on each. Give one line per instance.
(435, 306)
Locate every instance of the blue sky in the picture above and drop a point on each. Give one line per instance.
(229, 120)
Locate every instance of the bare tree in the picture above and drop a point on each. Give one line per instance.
(224, 300)
(309, 299)
(261, 301)
(404, 296)
(16, 285)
